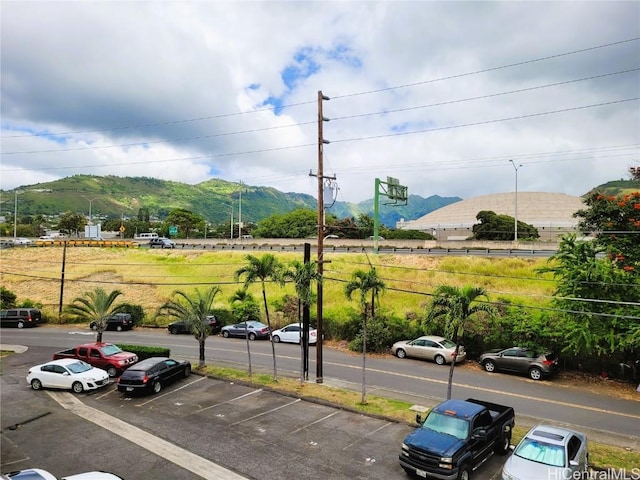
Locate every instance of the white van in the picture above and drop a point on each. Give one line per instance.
(146, 236)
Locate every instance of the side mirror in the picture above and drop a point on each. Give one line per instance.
(419, 419)
(573, 463)
(66, 373)
(479, 434)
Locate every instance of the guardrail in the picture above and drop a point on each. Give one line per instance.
(86, 243)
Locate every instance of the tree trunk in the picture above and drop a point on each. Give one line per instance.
(363, 400)
(273, 347)
(99, 336)
(246, 336)
(453, 365)
(201, 362)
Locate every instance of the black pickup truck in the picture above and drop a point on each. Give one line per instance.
(456, 437)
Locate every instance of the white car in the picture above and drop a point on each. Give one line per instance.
(21, 241)
(292, 334)
(69, 374)
(39, 474)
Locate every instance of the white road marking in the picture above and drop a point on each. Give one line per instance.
(229, 401)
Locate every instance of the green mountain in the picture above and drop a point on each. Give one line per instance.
(116, 197)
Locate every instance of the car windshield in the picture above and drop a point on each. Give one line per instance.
(110, 350)
(447, 343)
(541, 452)
(78, 367)
(447, 424)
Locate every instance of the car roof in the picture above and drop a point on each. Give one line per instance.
(29, 474)
(550, 434)
(63, 361)
(433, 338)
(147, 363)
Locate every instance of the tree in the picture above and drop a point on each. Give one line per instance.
(245, 309)
(300, 223)
(367, 282)
(193, 310)
(302, 275)
(186, 221)
(71, 222)
(95, 306)
(262, 269)
(7, 298)
(456, 306)
(501, 227)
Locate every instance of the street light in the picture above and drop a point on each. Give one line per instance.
(515, 222)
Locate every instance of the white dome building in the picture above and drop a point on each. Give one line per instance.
(550, 213)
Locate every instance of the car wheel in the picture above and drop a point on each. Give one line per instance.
(225, 334)
(20, 324)
(173, 330)
(439, 360)
(93, 326)
(187, 371)
(535, 373)
(36, 384)
(252, 336)
(276, 339)
(111, 370)
(119, 328)
(157, 387)
(400, 353)
(503, 447)
(463, 474)
(489, 366)
(77, 387)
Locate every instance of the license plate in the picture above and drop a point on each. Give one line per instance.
(129, 389)
(421, 473)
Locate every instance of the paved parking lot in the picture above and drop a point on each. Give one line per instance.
(197, 428)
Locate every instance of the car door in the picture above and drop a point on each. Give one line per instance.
(480, 445)
(508, 360)
(576, 452)
(47, 376)
(169, 370)
(415, 348)
(292, 334)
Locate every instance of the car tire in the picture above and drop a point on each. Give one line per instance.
(439, 359)
(119, 328)
(464, 474)
(77, 387)
(36, 384)
(93, 326)
(111, 371)
(173, 330)
(225, 334)
(252, 336)
(20, 324)
(276, 339)
(157, 386)
(503, 446)
(489, 366)
(535, 373)
(400, 353)
(187, 371)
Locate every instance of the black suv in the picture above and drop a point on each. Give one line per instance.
(118, 321)
(20, 317)
(181, 326)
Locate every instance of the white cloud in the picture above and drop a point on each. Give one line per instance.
(164, 89)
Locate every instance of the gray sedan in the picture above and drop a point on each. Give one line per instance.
(434, 348)
(252, 329)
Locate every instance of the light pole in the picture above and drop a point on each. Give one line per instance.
(91, 216)
(15, 215)
(515, 221)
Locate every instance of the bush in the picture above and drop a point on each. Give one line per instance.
(378, 337)
(7, 298)
(145, 352)
(136, 312)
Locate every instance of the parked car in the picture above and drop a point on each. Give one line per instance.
(548, 452)
(256, 330)
(39, 474)
(22, 241)
(151, 374)
(117, 321)
(437, 349)
(292, 333)
(520, 360)
(180, 326)
(20, 317)
(102, 355)
(68, 374)
(161, 242)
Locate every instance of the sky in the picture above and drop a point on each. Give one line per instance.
(457, 99)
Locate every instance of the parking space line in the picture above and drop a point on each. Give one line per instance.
(367, 435)
(267, 412)
(229, 401)
(163, 449)
(317, 421)
(158, 397)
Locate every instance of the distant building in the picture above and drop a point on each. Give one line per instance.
(550, 213)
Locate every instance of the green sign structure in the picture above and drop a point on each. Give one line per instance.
(173, 230)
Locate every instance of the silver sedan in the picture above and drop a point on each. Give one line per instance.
(434, 348)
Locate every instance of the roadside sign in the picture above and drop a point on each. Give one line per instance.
(122, 229)
(173, 230)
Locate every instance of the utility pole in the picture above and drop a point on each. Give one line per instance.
(515, 216)
(320, 175)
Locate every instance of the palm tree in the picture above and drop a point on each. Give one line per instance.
(456, 306)
(302, 274)
(368, 283)
(95, 307)
(240, 299)
(262, 269)
(193, 310)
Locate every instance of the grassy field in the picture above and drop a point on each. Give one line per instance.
(148, 277)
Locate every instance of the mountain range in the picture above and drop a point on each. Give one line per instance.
(215, 200)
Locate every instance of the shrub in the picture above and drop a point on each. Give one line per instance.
(136, 312)
(7, 298)
(378, 337)
(145, 352)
